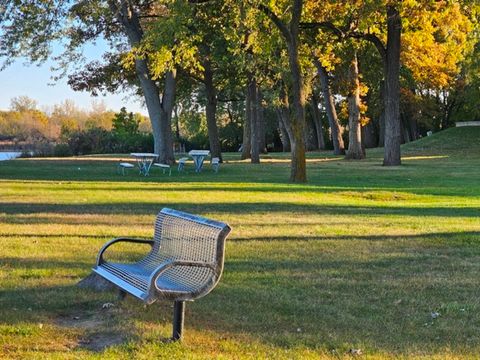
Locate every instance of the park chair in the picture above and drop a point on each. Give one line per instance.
(184, 263)
(215, 164)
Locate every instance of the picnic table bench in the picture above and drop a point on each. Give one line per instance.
(184, 263)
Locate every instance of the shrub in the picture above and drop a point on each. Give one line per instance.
(62, 150)
(90, 141)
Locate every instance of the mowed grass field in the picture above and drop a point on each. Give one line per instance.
(385, 260)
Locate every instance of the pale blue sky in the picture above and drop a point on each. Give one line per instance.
(33, 81)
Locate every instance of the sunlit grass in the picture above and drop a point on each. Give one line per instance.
(358, 258)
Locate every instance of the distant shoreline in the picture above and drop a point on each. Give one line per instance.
(9, 155)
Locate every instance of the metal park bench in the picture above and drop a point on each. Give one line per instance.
(185, 262)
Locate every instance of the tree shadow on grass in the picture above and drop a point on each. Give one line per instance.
(69, 309)
(382, 302)
(474, 235)
(432, 181)
(143, 208)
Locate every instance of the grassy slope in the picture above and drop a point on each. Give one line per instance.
(357, 258)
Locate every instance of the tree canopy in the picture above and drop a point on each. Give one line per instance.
(416, 66)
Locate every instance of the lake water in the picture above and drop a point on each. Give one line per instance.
(9, 155)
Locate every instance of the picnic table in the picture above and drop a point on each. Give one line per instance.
(198, 157)
(144, 161)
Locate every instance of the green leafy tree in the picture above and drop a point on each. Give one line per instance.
(29, 28)
(433, 34)
(125, 122)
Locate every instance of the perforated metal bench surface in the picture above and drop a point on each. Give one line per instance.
(185, 262)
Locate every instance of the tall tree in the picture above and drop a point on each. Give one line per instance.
(391, 58)
(290, 32)
(247, 126)
(29, 28)
(211, 107)
(253, 94)
(159, 108)
(355, 148)
(335, 129)
(317, 119)
(380, 23)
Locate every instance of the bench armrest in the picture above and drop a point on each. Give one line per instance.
(172, 263)
(100, 259)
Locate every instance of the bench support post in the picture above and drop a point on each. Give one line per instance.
(178, 316)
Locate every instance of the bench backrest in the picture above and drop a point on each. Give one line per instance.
(182, 236)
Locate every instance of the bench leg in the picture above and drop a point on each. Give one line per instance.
(178, 315)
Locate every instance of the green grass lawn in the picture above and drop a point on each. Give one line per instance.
(358, 258)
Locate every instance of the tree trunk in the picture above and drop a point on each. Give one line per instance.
(255, 132)
(369, 135)
(412, 124)
(405, 131)
(166, 155)
(338, 145)
(284, 137)
(262, 145)
(311, 142)
(318, 123)
(299, 166)
(298, 169)
(355, 150)
(381, 119)
(211, 111)
(159, 111)
(247, 126)
(392, 89)
(177, 124)
(290, 33)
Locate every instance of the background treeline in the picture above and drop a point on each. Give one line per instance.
(65, 129)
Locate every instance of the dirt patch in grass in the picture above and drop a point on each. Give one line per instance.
(96, 334)
(99, 341)
(80, 322)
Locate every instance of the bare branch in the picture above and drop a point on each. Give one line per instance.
(325, 25)
(373, 39)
